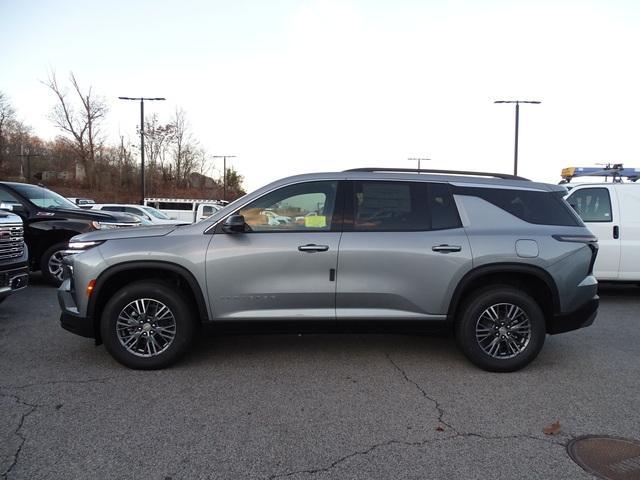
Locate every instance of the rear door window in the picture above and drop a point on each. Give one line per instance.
(381, 206)
(444, 213)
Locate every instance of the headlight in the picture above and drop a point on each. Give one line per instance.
(83, 245)
(108, 225)
(74, 249)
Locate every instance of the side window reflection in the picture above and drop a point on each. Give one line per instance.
(301, 207)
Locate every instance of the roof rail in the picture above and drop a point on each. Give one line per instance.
(503, 176)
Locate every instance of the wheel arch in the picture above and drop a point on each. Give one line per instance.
(117, 276)
(532, 279)
(48, 239)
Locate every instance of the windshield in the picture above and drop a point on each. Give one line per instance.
(156, 213)
(43, 197)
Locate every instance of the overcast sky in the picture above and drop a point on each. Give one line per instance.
(300, 86)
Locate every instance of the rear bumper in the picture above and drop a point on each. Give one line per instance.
(13, 279)
(580, 318)
(70, 318)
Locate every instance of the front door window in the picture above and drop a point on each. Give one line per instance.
(304, 207)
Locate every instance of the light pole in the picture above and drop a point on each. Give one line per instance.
(515, 151)
(224, 174)
(28, 156)
(418, 160)
(142, 99)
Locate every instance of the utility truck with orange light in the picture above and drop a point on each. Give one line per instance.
(611, 210)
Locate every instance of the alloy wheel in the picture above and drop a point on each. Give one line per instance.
(503, 330)
(146, 327)
(55, 265)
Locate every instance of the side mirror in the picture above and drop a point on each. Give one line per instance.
(234, 224)
(13, 207)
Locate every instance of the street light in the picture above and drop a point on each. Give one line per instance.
(515, 152)
(28, 156)
(418, 160)
(142, 99)
(224, 174)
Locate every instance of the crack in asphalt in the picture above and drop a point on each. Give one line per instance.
(441, 413)
(333, 464)
(421, 443)
(32, 408)
(460, 433)
(435, 402)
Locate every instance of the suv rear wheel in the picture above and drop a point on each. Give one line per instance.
(500, 329)
(147, 325)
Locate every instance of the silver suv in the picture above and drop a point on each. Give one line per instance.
(498, 259)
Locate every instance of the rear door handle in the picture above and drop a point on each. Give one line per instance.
(446, 248)
(616, 231)
(312, 247)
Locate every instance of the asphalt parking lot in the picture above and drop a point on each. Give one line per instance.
(308, 407)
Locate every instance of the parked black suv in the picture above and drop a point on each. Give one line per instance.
(50, 220)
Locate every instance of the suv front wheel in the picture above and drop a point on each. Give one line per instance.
(51, 263)
(147, 325)
(500, 329)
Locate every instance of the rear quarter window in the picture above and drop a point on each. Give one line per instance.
(538, 207)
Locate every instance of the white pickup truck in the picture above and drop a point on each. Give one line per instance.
(612, 212)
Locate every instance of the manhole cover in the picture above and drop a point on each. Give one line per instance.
(607, 457)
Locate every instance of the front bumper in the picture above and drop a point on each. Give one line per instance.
(13, 279)
(70, 318)
(580, 318)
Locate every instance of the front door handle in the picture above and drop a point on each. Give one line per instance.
(312, 247)
(446, 248)
(616, 232)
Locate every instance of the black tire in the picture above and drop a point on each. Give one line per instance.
(184, 320)
(53, 277)
(509, 336)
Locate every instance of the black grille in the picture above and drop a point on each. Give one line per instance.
(11, 241)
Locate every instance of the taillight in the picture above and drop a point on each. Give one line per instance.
(594, 253)
(590, 240)
(576, 238)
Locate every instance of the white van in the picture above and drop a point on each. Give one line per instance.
(186, 210)
(612, 213)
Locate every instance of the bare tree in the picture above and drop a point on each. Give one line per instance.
(81, 124)
(7, 119)
(184, 148)
(158, 140)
